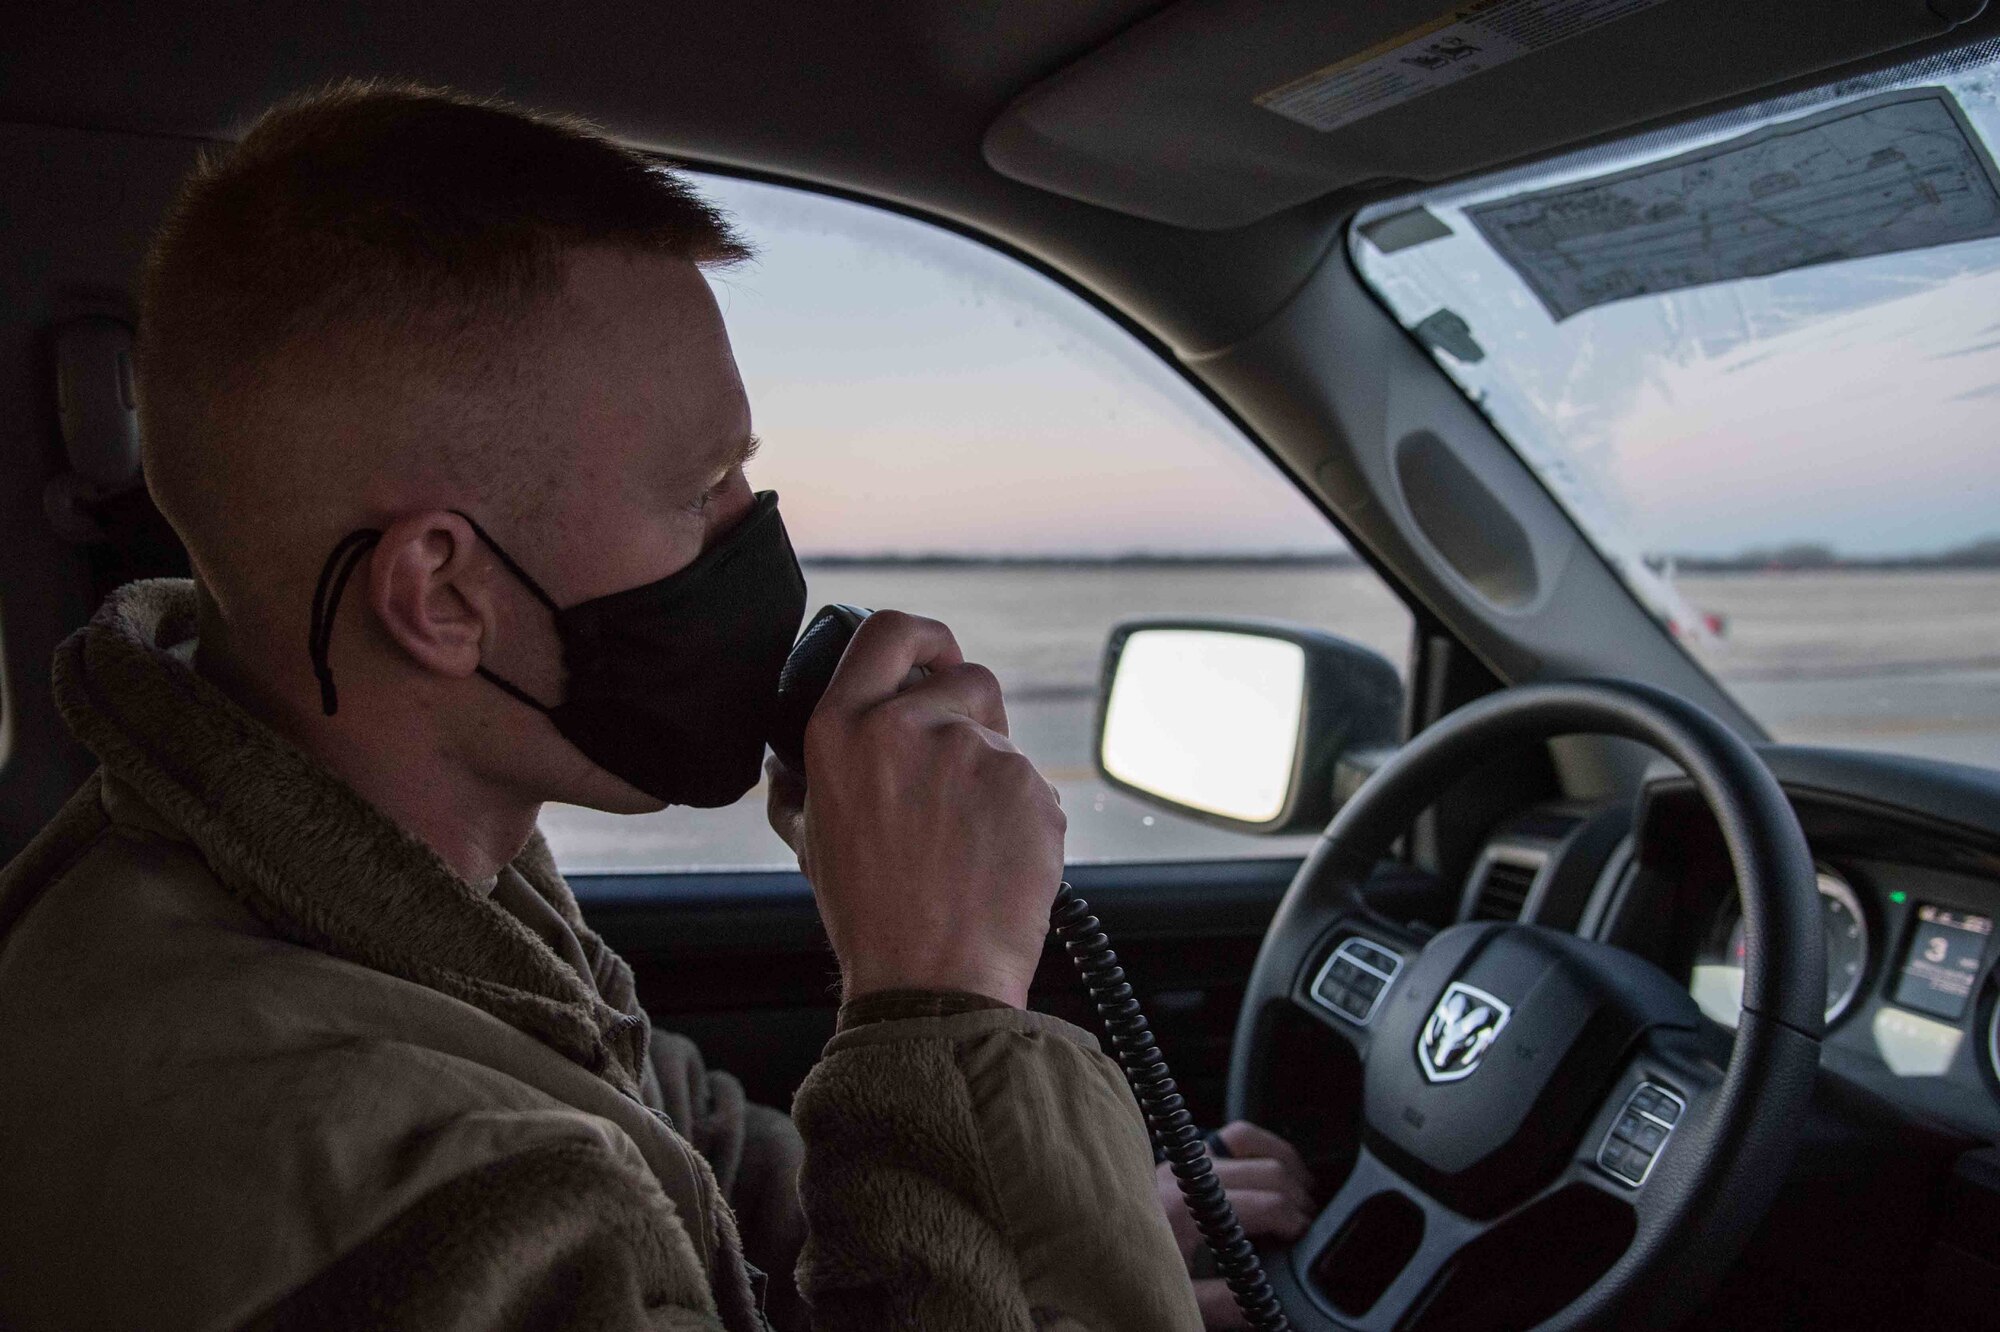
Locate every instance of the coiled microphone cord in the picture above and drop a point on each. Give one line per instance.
(1174, 1133)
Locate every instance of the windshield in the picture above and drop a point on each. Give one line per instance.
(1758, 360)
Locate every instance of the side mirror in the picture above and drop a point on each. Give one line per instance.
(1242, 724)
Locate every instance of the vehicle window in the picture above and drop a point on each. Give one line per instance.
(1758, 360)
(956, 435)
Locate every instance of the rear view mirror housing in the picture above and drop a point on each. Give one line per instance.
(1241, 723)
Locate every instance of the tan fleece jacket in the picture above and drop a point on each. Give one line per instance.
(265, 1061)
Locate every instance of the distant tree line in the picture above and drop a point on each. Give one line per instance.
(1130, 560)
(1798, 556)
(1801, 556)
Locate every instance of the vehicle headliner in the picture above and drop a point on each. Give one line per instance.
(896, 101)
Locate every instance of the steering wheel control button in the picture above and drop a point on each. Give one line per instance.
(1656, 1104)
(1641, 1130)
(1379, 960)
(1617, 1158)
(1354, 979)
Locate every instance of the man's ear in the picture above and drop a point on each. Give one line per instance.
(429, 592)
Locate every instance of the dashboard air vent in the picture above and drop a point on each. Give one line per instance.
(1503, 887)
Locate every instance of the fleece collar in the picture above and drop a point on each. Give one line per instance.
(320, 865)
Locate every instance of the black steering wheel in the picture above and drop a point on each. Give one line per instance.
(1546, 1136)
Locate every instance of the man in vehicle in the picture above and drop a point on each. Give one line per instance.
(442, 407)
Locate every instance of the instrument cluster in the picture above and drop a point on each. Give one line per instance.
(1921, 999)
(1908, 871)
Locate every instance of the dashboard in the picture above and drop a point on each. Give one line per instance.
(1908, 859)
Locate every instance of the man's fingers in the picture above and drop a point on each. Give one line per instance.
(1246, 1139)
(1270, 1203)
(1266, 1215)
(887, 646)
(785, 803)
(968, 689)
(1217, 1304)
(1265, 1175)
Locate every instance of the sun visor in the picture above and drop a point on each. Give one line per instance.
(1218, 113)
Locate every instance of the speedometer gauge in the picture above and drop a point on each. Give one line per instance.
(1717, 983)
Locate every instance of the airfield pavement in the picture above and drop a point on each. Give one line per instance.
(1906, 661)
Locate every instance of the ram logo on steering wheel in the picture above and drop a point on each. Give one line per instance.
(1462, 1025)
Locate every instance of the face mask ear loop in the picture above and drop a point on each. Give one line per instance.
(507, 562)
(505, 685)
(333, 575)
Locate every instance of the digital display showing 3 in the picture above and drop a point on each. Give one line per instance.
(1945, 951)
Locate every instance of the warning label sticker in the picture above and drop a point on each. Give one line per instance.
(1902, 171)
(1473, 37)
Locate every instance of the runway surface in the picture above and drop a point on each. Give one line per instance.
(1908, 662)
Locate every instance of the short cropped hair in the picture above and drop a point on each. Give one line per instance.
(373, 219)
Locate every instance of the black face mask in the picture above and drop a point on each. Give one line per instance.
(671, 684)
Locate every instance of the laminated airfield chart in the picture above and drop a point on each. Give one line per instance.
(1901, 171)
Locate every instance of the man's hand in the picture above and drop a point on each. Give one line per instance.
(933, 846)
(1269, 1187)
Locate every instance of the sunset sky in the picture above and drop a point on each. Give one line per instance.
(918, 392)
